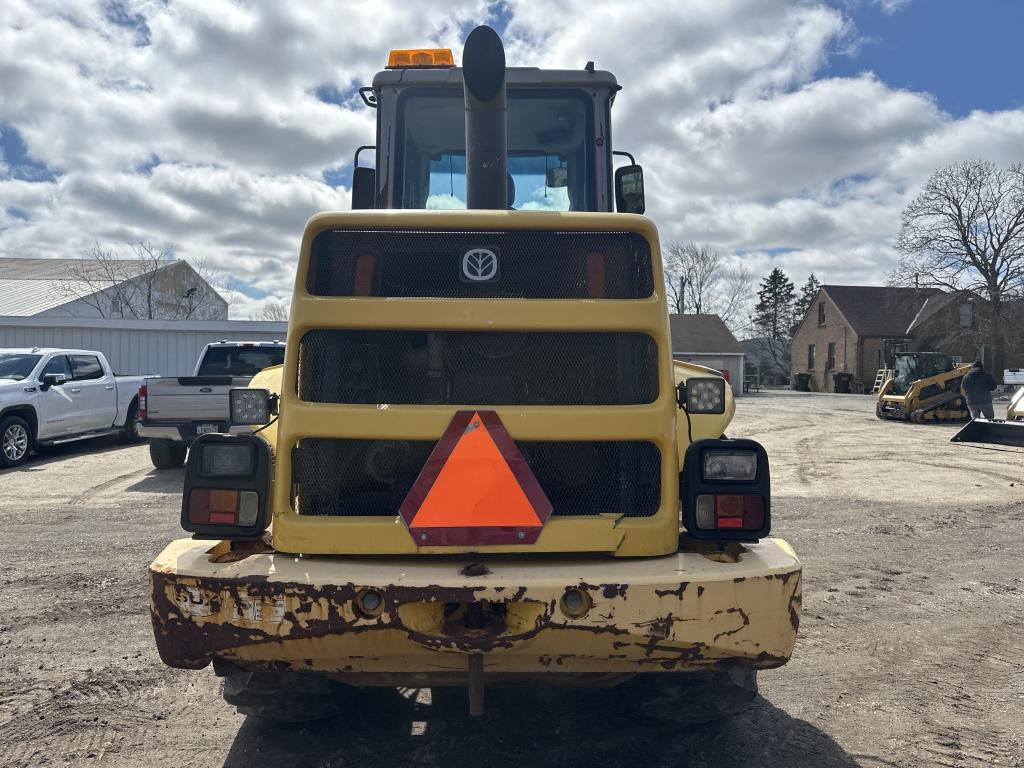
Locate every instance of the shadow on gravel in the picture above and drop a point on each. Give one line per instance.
(535, 727)
(160, 481)
(54, 453)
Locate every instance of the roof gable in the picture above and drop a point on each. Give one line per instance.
(873, 310)
(702, 334)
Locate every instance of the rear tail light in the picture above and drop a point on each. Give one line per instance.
(725, 490)
(227, 487)
(142, 402)
(219, 506)
(733, 512)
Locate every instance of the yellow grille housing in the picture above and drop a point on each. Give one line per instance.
(654, 422)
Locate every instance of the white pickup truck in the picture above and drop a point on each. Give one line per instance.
(51, 396)
(176, 410)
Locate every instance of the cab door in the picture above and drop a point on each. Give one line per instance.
(94, 390)
(59, 413)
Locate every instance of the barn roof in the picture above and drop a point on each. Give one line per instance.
(702, 334)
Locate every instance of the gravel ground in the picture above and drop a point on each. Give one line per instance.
(911, 648)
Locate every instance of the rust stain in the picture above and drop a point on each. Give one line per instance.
(742, 615)
(678, 592)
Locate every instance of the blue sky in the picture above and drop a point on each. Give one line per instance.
(966, 53)
(786, 133)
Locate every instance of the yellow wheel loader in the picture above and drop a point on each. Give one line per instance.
(924, 388)
(479, 464)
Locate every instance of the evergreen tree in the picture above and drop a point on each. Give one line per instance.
(773, 315)
(803, 301)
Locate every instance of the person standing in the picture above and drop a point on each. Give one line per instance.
(977, 387)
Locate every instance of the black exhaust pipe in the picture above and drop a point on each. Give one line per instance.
(483, 78)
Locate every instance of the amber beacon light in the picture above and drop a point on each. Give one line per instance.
(421, 58)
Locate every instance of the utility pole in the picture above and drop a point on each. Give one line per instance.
(682, 294)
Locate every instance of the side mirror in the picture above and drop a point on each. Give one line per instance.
(629, 189)
(53, 380)
(364, 192)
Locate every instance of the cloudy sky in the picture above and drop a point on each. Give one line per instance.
(785, 133)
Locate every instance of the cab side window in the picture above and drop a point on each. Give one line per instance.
(86, 367)
(58, 364)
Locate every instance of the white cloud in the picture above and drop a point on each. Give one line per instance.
(197, 123)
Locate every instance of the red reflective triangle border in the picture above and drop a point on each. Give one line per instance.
(473, 535)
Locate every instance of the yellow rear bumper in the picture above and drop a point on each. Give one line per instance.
(685, 611)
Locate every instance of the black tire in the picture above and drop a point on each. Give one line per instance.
(130, 431)
(286, 697)
(166, 454)
(16, 441)
(692, 698)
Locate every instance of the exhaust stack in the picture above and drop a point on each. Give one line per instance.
(483, 77)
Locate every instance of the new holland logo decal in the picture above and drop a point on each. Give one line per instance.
(479, 265)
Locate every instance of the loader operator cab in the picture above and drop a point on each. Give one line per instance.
(559, 140)
(914, 366)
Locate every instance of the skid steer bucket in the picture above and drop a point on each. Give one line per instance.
(993, 431)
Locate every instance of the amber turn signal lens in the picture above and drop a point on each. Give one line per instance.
(217, 506)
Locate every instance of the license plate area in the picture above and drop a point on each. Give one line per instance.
(206, 429)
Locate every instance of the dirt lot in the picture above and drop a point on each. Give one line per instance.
(911, 649)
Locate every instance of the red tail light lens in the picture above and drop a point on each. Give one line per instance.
(738, 512)
(142, 401)
(218, 506)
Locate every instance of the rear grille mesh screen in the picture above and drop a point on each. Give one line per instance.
(477, 368)
(530, 265)
(356, 478)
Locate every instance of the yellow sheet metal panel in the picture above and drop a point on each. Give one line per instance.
(683, 611)
(655, 422)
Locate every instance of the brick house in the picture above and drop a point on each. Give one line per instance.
(857, 328)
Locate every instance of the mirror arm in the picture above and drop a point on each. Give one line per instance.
(624, 154)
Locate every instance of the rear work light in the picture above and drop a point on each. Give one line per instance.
(227, 460)
(730, 465)
(249, 407)
(227, 487)
(725, 490)
(702, 395)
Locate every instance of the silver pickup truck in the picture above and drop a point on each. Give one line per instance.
(176, 410)
(52, 396)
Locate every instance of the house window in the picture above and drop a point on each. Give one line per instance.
(821, 313)
(831, 362)
(967, 315)
(810, 357)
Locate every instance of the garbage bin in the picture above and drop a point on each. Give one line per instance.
(842, 382)
(802, 382)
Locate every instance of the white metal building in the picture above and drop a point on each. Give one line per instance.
(161, 347)
(705, 340)
(124, 288)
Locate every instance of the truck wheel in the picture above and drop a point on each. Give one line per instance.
(15, 441)
(166, 454)
(692, 698)
(130, 432)
(287, 697)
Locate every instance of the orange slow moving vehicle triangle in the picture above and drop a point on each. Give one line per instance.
(476, 488)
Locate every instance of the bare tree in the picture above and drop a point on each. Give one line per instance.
(965, 231)
(272, 310)
(151, 285)
(699, 281)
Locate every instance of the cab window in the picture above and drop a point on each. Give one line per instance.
(58, 365)
(86, 367)
(550, 149)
